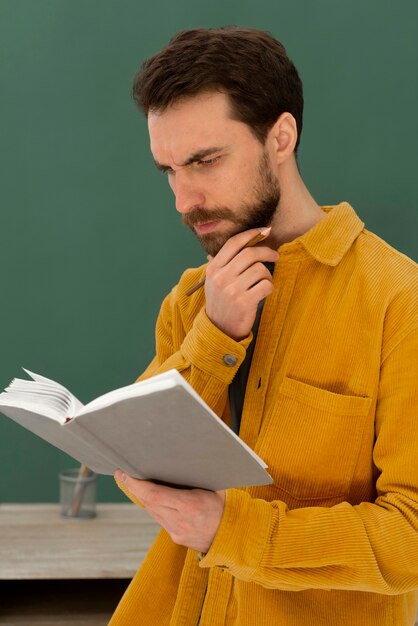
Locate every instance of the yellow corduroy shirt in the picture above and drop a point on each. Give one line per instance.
(332, 407)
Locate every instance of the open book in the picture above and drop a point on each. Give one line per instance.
(159, 429)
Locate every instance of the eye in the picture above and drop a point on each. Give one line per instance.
(209, 162)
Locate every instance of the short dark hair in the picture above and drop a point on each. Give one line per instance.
(248, 65)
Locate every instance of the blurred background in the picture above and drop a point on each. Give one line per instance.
(90, 239)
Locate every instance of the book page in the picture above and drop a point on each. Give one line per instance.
(167, 380)
(42, 396)
(161, 382)
(170, 436)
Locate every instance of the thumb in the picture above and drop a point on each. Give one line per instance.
(121, 479)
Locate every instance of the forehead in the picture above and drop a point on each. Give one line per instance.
(193, 124)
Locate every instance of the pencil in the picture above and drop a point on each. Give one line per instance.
(79, 489)
(256, 239)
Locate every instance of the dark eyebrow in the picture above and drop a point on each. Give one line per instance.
(196, 156)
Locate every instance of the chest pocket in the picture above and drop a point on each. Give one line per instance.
(311, 440)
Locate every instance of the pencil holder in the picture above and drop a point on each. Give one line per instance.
(77, 494)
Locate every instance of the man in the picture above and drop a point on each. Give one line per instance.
(306, 344)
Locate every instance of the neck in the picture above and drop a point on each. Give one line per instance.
(297, 211)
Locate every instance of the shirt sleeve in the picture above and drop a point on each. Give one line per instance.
(205, 356)
(372, 546)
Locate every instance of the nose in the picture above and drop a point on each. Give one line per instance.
(187, 193)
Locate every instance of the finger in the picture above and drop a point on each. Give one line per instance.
(227, 275)
(250, 277)
(261, 289)
(149, 492)
(250, 256)
(237, 243)
(128, 493)
(163, 513)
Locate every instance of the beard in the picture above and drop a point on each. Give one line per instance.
(250, 214)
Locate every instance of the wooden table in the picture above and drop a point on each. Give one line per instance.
(59, 571)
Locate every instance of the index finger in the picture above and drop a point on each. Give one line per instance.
(235, 244)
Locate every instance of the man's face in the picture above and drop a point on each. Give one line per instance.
(219, 172)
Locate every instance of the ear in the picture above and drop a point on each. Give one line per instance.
(283, 136)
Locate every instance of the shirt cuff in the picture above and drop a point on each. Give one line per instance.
(212, 351)
(242, 536)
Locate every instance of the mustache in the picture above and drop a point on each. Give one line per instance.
(200, 215)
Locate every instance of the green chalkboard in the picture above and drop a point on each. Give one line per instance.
(90, 239)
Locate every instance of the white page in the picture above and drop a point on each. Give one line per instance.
(166, 380)
(160, 382)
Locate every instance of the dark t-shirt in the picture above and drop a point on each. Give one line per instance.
(239, 383)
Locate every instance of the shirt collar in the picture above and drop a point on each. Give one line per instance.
(330, 239)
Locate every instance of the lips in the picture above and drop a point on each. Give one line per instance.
(206, 227)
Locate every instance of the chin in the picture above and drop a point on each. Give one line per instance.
(213, 242)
